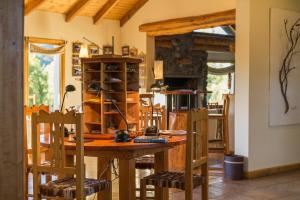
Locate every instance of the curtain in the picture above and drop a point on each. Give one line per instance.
(221, 71)
(34, 48)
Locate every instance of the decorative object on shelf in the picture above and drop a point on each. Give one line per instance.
(76, 63)
(284, 74)
(125, 50)
(107, 50)
(133, 52)
(93, 50)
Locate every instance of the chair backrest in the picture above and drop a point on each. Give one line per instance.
(226, 104)
(57, 166)
(197, 141)
(27, 126)
(159, 115)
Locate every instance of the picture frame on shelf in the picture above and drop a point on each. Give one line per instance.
(133, 52)
(108, 50)
(93, 50)
(125, 50)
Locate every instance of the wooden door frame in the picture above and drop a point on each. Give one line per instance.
(11, 101)
(36, 40)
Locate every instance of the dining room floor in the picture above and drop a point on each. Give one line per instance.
(284, 186)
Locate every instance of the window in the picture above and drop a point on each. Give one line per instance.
(44, 72)
(220, 80)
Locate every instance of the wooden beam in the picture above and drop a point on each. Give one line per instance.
(75, 9)
(31, 5)
(188, 24)
(104, 10)
(138, 5)
(11, 101)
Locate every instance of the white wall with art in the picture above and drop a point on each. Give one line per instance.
(284, 67)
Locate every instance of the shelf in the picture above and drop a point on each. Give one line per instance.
(129, 82)
(93, 123)
(108, 82)
(111, 113)
(109, 103)
(120, 92)
(132, 102)
(132, 92)
(103, 70)
(112, 71)
(93, 71)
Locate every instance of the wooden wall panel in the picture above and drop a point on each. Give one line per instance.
(11, 99)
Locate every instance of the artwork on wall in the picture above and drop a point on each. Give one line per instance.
(284, 67)
(76, 64)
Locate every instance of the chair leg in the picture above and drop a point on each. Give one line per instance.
(26, 184)
(204, 187)
(143, 189)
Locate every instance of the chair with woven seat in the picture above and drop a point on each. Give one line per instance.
(66, 186)
(196, 160)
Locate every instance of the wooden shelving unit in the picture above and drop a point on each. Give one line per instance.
(119, 79)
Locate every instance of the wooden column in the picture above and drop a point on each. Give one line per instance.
(11, 99)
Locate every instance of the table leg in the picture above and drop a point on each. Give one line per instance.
(161, 164)
(127, 179)
(104, 172)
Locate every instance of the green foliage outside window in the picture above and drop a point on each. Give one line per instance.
(38, 78)
(218, 84)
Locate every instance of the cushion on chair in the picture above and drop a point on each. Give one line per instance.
(172, 180)
(66, 187)
(145, 162)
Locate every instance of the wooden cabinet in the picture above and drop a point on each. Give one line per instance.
(106, 79)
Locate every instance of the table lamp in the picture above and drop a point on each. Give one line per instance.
(68, 88)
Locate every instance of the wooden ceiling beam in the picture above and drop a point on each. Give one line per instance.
(138, 5)
(187, 29)
(188, 24)
(75, 9)
(104, 10)
(31, 5)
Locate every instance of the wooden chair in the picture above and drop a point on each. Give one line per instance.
(158, 118)
(223, 138)
(66, 186)
(28, 111)
(196, 158)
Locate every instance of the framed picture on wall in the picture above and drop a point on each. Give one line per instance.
(76, 47)
(76, 62)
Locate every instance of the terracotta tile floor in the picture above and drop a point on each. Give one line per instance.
(278, 187)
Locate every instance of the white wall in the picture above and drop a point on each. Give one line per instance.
(268, 146)
(157, 10)
(50, 25)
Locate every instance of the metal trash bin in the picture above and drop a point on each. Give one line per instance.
(233, 167)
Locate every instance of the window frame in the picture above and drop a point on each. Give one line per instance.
(37, 40)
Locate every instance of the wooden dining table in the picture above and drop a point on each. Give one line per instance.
(126, 153)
